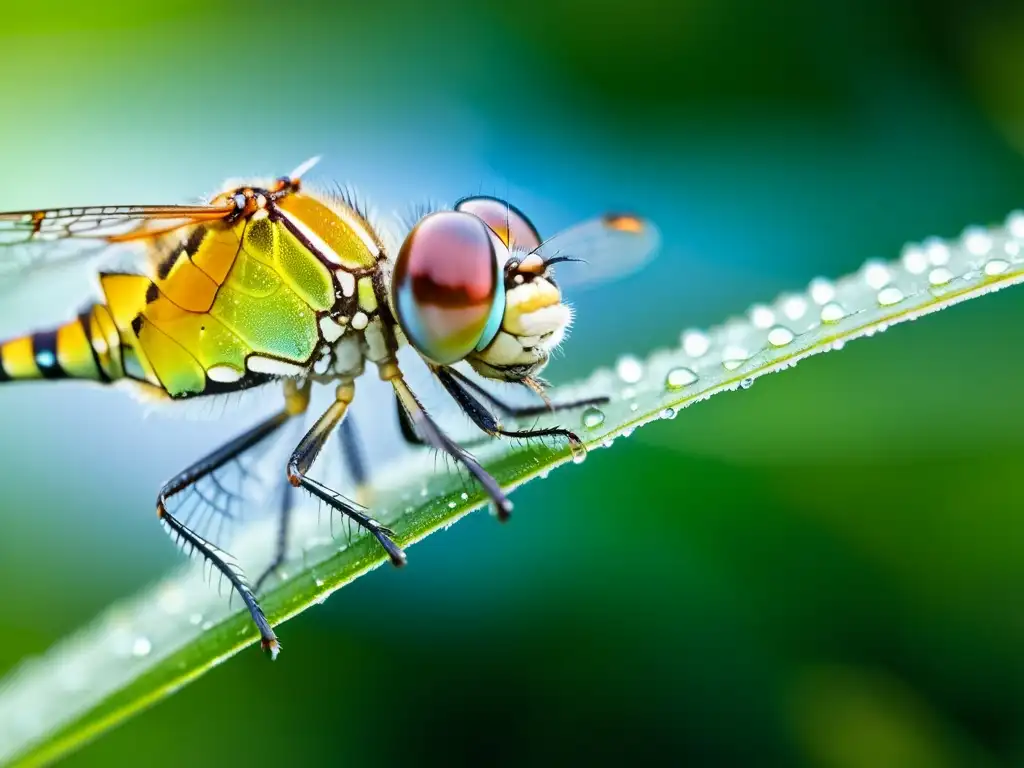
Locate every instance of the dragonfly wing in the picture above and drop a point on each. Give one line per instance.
(44, 239)
(607, 247)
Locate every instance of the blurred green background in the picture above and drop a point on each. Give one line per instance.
(824, 570)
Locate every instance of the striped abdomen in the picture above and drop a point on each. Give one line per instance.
(86, 348)
(233, 306)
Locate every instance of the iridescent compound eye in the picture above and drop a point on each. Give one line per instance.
(448, 288)
(507, 221)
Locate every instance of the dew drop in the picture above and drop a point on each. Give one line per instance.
(822, 290)
(629, 393)
(996, 267)
(794, 307)
(630, 369)
(423, 491)
(832, 313)
(938, 252)
(195, 619)
(579, 455)
(677, 378)
(838, 344)
(733, 357)
(695, 343)
(452, 505)
(627, 432)
(780, 336)
(939, 276)
(915, 261)
(876, 274)
(207, 626)
(141, 647)
(319, 582)
(669, 413)
(633, 407)
(1015, 223)
(592, 417)
(464, 496)
(761, 316)
(977, 241)
(889, 296)
(747, 383)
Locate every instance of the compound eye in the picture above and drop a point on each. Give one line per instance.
(448, 287)
(507, 221)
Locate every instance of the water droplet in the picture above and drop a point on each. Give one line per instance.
(761, 316)
(592, 417)
(822, 291)
(607, 442)
(996, 267)
(733, 357)
(423, 491)
(695, 343)
(747, 383)
(629, 393)
(452, 505)
(579, 454)
(838, 344)
(677, 378)
(1015, 223)
(938, 251)
(939, 276)
(977, 241)
(915, 261)
(630, 369)
(794, 307)
(633, 407)
(669, 413)
(876, 274)
(319, 582)
(627, 432)
(780, 336)
(889, 296)
(195, 619)
(141, 647)
(832, 313)
(464, 496)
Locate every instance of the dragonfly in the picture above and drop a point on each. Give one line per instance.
(269, 282)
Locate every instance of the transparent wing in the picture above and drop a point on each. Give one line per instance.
(601, 249)
(42, 239)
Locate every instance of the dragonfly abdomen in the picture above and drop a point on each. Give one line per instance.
(87, 347)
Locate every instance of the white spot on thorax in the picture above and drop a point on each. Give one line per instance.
(224, 374)
(347, 282)
(377, 348)
(260, 364)
(359, 320)
(330, 329)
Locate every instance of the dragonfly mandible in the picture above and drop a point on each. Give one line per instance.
(268, 283)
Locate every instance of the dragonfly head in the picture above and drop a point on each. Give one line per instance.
(468, 286)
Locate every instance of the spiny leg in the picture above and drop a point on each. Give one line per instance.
(281, 545)
(517, 411)
(355, 459)
(296, 401)
(430, 433)
(305, 454)
(485, 420)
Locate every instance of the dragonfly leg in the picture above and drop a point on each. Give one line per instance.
(355, 459)
(519, 411)
(296, 401)
(422, 425)
(305, 454)
(485, 420)
(281, 546)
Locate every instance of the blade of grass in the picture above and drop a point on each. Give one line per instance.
(148, 647)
